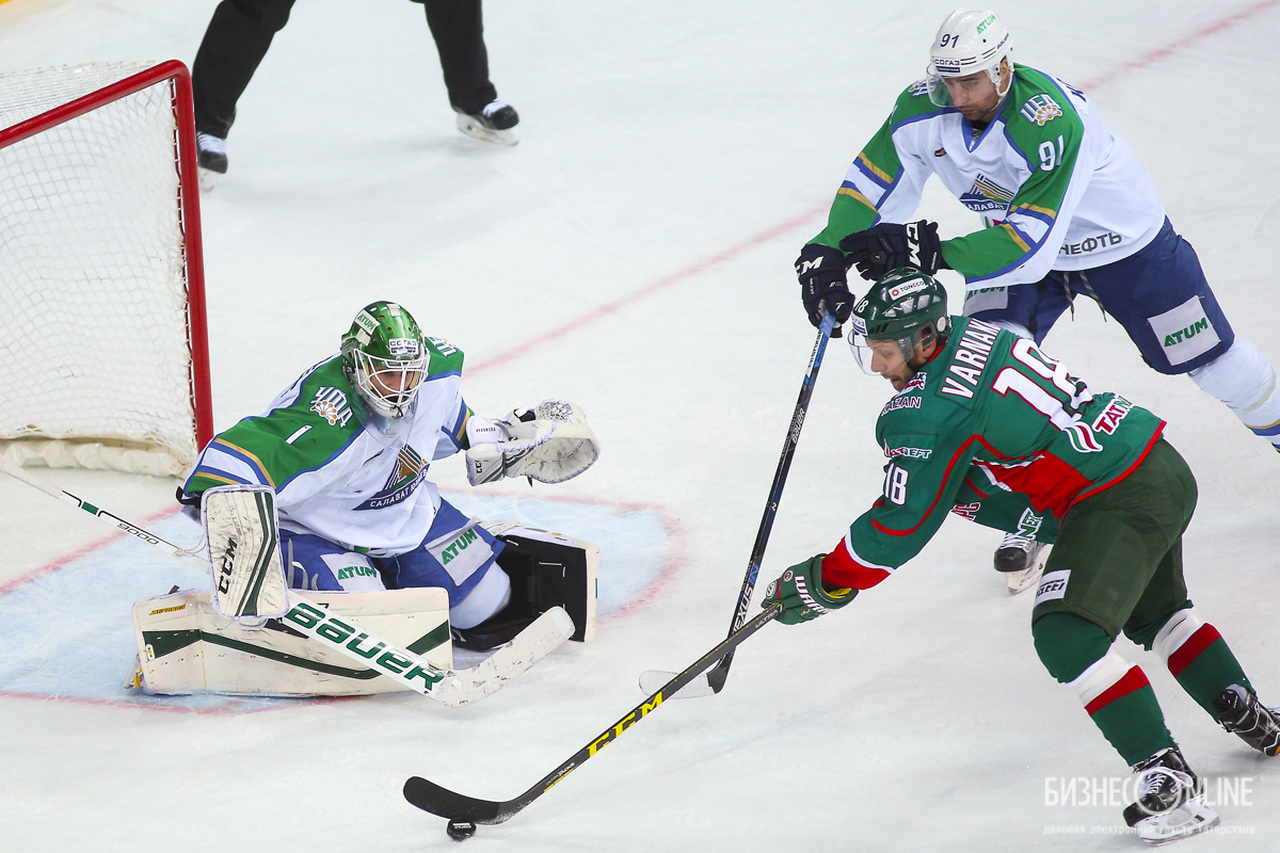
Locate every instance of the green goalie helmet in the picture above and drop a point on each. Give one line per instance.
(384, 355)
(906, 306)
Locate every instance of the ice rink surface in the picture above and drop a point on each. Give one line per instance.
(633, 254)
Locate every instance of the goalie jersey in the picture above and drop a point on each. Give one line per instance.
(989, 419)
(339, 471)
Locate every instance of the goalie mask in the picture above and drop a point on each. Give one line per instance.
(385, 357)
(905, 306)
(968, 42)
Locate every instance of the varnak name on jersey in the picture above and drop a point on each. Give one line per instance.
(990, 414)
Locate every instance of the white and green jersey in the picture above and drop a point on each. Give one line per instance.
(340, 472)
(1056, 189)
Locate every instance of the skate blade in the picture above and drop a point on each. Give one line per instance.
(1028, 577)
(1190, 818)
(208, 178)
(1023, 580)
(473, 128)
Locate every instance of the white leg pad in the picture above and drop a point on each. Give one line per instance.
(185, 646)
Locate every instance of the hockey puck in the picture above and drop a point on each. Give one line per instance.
(461, 830)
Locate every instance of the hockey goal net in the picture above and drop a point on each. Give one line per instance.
(103, 353)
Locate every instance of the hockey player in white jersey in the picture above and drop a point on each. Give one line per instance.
(346, 450)
(1066, 209)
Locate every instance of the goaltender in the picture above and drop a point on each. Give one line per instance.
(346, 450)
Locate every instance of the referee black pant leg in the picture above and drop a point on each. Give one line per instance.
(238, 36)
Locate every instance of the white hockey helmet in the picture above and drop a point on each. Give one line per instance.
(968, 42)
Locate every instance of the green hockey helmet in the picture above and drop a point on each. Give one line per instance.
(384, 356)
(905, 306)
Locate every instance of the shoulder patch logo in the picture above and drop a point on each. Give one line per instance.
(919, 88)
(442, 346)
(331, 404)
(1041, 109)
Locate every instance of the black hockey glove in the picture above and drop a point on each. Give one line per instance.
(887, 246)
(821, 270)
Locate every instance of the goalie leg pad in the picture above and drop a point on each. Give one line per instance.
(185, 646)
(548, 569)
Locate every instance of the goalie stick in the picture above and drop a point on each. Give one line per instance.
(716, 676)
(440, 801)
(452, 687)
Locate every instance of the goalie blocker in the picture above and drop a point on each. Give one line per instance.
(187, 645)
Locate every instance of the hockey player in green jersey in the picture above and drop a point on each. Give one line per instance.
(983, 422)
(346, 450)
(1066, 208)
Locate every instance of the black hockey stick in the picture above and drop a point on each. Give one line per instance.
(720, 672)
(430, 797)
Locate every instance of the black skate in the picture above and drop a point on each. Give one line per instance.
(1021, 560)
(1240, 713)
(211, 156)
(492, 124)
(1170, 801)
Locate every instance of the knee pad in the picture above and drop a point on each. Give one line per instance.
(1069, 644)
(489, 596)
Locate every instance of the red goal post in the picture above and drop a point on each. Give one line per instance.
(103, 342)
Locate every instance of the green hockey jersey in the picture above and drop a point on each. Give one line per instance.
(989, 418)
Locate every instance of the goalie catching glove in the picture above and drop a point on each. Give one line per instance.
(549, 443)
(803, 595)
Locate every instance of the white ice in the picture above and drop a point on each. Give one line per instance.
(633, 254)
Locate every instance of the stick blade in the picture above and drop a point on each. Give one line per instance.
(430, 797)
(544, 635)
